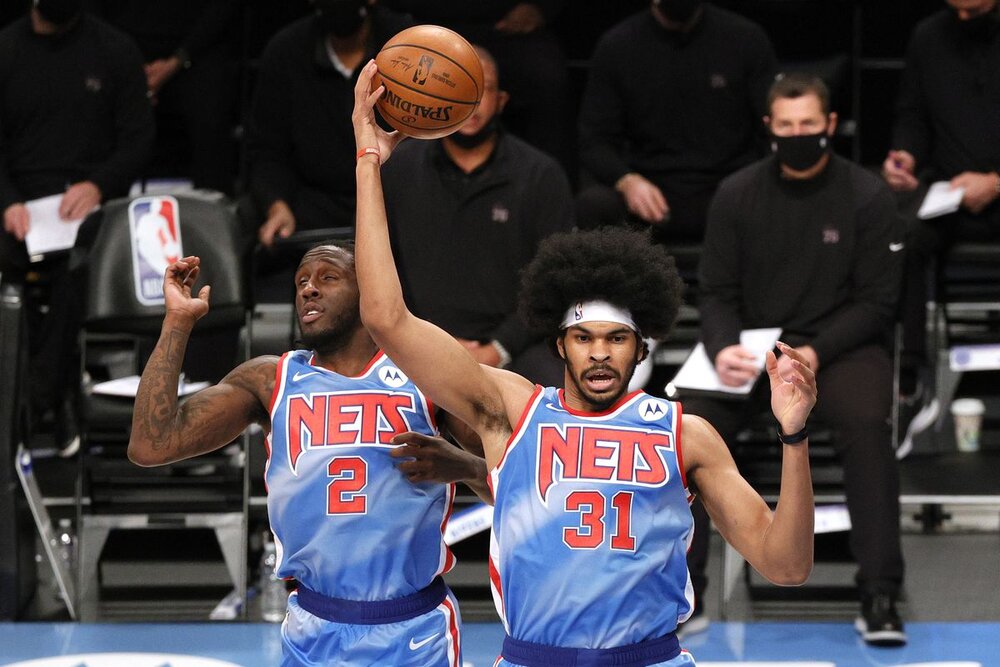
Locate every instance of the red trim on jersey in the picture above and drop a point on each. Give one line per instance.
(679, 412)
(495, 580)
(456, 644)
(449, 557)
(371, 362)
(279, 388)
(517, 428)
(497, 661)
(583, 413)
(279, 382)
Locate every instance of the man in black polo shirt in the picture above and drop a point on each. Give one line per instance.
(812, 243)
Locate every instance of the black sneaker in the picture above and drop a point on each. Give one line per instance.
(879, 623)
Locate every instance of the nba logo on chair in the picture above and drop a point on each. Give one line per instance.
(154, 226)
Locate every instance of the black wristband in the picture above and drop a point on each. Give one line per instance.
(794, 438)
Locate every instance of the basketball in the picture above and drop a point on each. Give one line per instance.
(433, 81)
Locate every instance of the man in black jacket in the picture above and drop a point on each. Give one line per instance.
(672, 105)
(947, 128)
(476, 204)
(833, 291)
(300, 140)
(74, 122)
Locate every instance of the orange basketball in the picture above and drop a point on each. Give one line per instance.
(433, 81)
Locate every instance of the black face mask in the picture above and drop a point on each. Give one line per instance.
(980, 27)
(59, 12)
(485, 133)
(802, 151)
(678, 11)
(341, 18)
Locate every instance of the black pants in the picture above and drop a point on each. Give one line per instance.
(602, 205)
(55, 290)
(855, 393)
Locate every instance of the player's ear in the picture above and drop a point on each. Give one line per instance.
(502, 98)
(560, 345)
(643, 350)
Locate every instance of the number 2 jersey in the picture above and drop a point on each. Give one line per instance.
(592, 524)
(346, 522)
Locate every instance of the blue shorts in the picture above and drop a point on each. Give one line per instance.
(430, 639)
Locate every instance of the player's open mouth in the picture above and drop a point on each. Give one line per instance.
(600, 380)
(310, 314)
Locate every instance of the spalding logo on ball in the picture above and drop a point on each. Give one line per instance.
(433, 81)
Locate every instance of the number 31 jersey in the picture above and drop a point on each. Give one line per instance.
(346, 522)
(592, 524)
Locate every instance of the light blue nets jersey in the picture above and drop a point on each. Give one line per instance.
(347, 523)
(592, 524)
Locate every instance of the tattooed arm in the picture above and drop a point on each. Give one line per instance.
(164, 431)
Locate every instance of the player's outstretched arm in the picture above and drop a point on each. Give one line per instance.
(777, 544)
(435, 361)
(164, 430)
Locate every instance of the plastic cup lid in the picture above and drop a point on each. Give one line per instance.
(967, 407)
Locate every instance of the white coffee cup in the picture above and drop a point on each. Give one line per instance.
(968, 416)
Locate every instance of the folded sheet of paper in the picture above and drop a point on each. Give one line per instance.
(49, 232)
(698, 372)
(128, 386)
(941, 199)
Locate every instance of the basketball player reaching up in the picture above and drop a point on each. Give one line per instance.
(357, 515)
(591, 484)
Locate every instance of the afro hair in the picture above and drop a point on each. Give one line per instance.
(617, 265)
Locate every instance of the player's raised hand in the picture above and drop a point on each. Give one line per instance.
(178, 281)
(367, 133)
(792, 396)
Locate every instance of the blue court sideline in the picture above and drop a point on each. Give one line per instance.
(258, 645)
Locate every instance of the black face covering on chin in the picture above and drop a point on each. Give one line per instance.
(980, 27)
(341, 18)
(59, 12)
(802, 151)
(485, 133)
(678, 11)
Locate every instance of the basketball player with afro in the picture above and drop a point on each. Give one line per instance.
(591, 483)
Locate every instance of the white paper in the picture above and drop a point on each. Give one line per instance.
(698, 371)
(831, 519)
(128, 386)
(48, 232)
(941, 199)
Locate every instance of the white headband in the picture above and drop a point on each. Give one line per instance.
(597, 311)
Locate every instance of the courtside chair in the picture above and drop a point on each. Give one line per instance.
(123, 315)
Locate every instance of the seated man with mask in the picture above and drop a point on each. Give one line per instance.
(476, 204)
(833, 291)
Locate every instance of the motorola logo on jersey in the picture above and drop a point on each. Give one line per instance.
(340, 419)
(652, 409)
(601, 454)
(392, 376)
